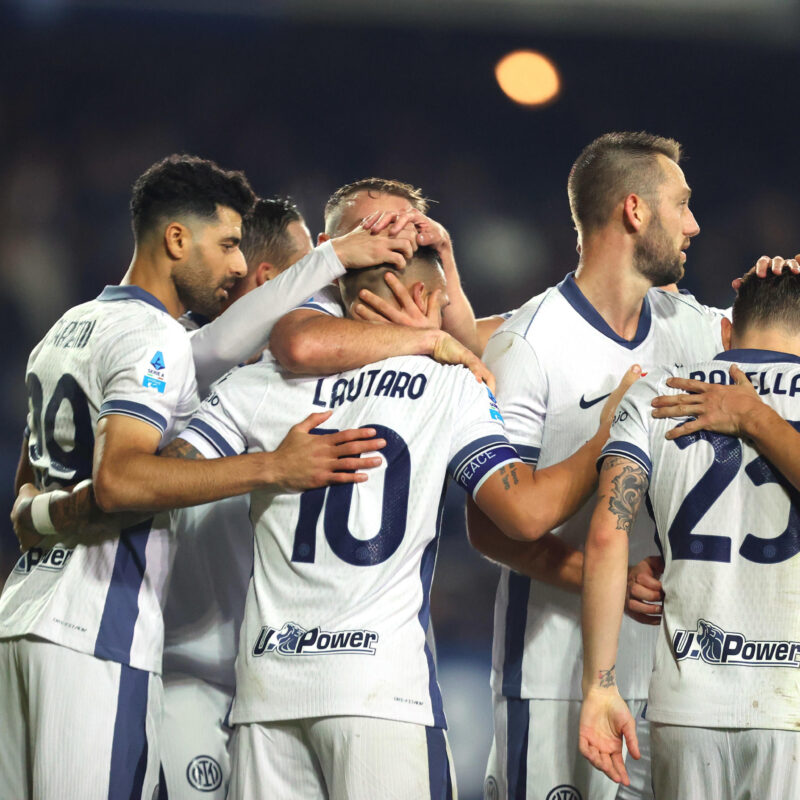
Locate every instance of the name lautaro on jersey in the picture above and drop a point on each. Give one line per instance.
(714, 645)
(294, 640)
(330, 393)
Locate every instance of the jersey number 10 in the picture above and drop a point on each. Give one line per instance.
(358, 552)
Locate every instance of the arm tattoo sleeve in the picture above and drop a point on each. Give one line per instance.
(628, 488)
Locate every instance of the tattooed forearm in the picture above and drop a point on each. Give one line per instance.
(509, 476)
(180, 448)
(607, 677)
(627, 489)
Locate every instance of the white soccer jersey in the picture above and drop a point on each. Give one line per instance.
(729, 527)
(207, 589)
(328, 300)
(337, 610)
(556, 361)
(119, 354)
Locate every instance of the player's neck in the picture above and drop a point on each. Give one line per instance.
(146, 273)
(775, 339)
(608, 281)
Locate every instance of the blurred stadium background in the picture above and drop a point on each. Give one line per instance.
(306, 95)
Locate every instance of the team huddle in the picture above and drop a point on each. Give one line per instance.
(231, 486)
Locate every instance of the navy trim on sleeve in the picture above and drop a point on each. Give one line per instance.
(211, 436)
(530, 455)
(128, 408)
(627, 450)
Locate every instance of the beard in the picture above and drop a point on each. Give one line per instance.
(193, 283)
(655, 257)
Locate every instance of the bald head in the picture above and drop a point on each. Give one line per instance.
(424, 268)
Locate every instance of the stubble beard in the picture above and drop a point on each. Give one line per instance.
(195, 290)
(654, 256)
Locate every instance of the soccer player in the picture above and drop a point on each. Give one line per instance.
(80, 626)
(205, 603)
(271, 289)
(336, 691)
(723, 695)
(315, 339)
(555, 362)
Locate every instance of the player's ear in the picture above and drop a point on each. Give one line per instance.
(727, 331)
(266, 272)
(176, 240)
(634, 213)
(322, 237)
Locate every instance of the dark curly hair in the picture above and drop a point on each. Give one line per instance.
(183, 184)
(265, 237)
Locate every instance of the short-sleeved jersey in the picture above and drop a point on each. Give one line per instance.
(119, 354)
(556, 361)
(337, 610)
(729, 525)
(328, 300)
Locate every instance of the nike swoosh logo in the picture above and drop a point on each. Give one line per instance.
(589, 403)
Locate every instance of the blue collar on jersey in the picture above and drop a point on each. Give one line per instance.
(111, 293)
(746, 356)
(198, 319)
(576, 298)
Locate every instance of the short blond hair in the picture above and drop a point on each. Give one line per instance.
(378, 186)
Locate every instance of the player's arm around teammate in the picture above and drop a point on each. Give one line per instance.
(525, 504)
(552, 560)
(605, 717)
(312, 340)
(130, 476)
(244, 327)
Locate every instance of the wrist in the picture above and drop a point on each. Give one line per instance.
(429, 339)
(753, 420)
(39, 510)
(266, 470)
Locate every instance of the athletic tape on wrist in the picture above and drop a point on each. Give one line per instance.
(40, 512)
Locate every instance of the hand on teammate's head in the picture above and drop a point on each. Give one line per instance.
(766, 265)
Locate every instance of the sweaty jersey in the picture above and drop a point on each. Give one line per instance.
(729, 526)
(119, 354)
(556, 361)
(337, 610)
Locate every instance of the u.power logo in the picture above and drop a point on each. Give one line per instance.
(714, 645)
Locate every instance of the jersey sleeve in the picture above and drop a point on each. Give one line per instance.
(244, 328)
(630, 436)
(521, 391)
(148, 374)
(220, 426)
(327, 300)
(479, 445)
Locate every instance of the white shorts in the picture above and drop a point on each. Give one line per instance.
(75, 726)
(341, 758)
(195, 740)
(725, 764)
(535, 755)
